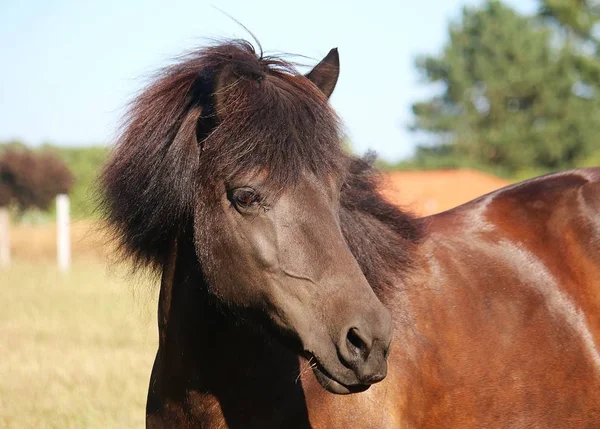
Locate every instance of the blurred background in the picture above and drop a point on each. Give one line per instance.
(458, 98)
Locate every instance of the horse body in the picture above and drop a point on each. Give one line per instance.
(498, 328)
(285, 274)
(506, 329)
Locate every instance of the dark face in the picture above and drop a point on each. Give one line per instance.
(286, 257)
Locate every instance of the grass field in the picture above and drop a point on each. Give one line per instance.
(76, 349)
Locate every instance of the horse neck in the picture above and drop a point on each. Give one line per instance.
(203, 348)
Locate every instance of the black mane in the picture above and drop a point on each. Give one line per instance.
(221, 111)
(381, 237)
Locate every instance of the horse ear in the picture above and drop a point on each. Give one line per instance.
(326, 73)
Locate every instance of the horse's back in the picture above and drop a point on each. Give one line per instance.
(514, 294)
(550, 214)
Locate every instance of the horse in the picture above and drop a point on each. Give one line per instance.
(294, 295)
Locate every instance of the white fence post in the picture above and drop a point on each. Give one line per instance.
(63, 238)
(4, 241)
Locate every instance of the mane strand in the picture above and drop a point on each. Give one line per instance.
(382, 237)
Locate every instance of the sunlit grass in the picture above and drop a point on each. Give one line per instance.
(76, 349)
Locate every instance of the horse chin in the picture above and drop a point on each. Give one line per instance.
(332, 385)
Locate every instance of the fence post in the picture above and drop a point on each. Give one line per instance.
(4, 240)
(63, 239)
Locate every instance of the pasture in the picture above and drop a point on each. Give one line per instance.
(76, 348)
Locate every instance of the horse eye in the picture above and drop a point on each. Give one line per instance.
(245, 197)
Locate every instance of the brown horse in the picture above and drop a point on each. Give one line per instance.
(286, 276)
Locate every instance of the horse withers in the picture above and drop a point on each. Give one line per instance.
(293, 295)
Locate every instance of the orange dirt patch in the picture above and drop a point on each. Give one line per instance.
(430, 192)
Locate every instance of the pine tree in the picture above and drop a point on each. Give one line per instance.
(577, 17)
(511, 97)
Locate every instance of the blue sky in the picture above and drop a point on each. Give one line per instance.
(68, 68)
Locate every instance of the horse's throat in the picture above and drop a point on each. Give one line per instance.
(211, 367)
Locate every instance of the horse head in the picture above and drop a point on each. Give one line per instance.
(244, 153)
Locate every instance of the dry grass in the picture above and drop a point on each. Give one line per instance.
(35, 243)
(76, 349)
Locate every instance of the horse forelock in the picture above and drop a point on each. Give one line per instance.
(279, 123)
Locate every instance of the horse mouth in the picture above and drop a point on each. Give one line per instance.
(330, 383)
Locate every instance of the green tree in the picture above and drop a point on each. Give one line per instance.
(577, 17)
(577, 24)
(510, 97)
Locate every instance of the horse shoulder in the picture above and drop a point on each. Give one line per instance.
(508, 306)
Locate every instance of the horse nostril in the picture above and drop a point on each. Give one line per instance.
(357, 344)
